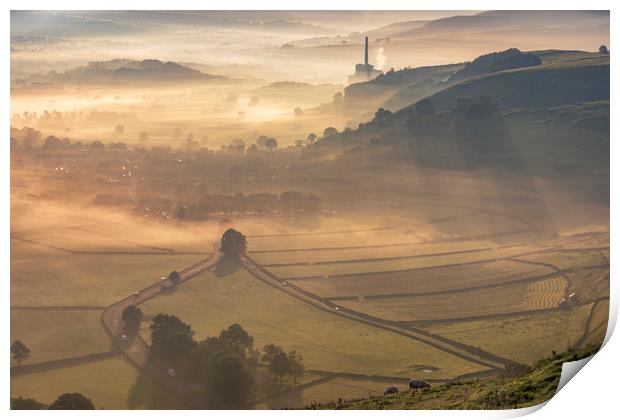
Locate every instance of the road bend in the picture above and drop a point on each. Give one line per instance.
(138, 351)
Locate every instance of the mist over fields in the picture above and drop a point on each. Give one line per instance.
(233, 209)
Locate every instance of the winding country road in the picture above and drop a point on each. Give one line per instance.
(137, 350)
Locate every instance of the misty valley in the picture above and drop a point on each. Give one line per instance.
(197, 228)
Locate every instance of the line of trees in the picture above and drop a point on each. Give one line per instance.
(66, 401)
(288, 202)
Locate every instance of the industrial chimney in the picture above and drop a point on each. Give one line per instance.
(366, 51)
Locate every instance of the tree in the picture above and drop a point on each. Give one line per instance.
(271, 143)
(72, 401)
(277, 360)
(280, 365)
(19, 351)
(298, 111)
(174, 277)
(52, 143)
(261, 142)
(329, 132)
(338, 96)
(230, 384)
(171, 338)
(97, 145)
(119, 129)
(233, 243)
(603, 49)
(132, 316)
(237, 338)
(21, 403)
(311, 137)
(296, 367)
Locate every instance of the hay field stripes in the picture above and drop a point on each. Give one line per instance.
(457, 349)
(546, 293)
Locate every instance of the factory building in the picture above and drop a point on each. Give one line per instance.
(364, 72)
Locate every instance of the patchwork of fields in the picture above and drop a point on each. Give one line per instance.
(483, 282)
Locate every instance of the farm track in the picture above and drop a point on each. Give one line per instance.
(73, 251)
(63, 363)
(441, 343)
(58, 308)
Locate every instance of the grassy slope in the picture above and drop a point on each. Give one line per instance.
(531, 388)
(584, 80)
(525, 339)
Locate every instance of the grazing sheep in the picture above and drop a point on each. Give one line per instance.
(390, 390)
(418, 384)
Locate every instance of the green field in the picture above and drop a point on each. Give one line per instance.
(525, 339)
(343, 268)
(327, 342)
(41, 277)
(58, 335)
(109, 384)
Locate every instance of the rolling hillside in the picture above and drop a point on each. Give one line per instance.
(536, 386)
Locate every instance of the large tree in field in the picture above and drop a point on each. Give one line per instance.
(238, 339)
(19, 351)
(171, 338)
(72, 401)
(233, 244)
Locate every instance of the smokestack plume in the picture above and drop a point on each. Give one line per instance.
(366, 51)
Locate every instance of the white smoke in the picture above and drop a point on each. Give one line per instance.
(380, 58)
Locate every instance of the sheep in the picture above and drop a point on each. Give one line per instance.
(390, 390)
(418, 384)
